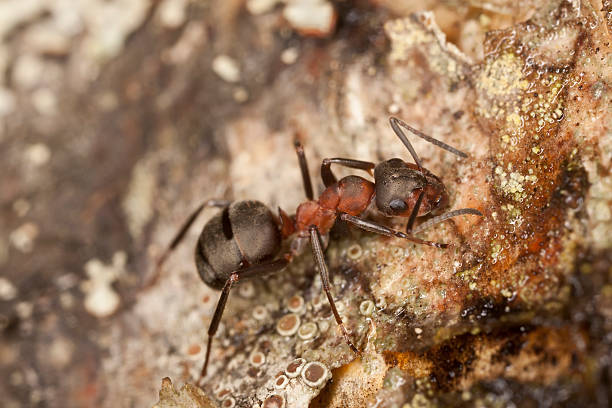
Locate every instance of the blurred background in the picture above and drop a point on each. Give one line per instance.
(118, 116)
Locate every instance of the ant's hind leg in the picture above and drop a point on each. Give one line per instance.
(328, 176)
(254, 270)
(178, 237)
(317, 252)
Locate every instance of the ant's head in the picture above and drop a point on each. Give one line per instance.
(399, 184)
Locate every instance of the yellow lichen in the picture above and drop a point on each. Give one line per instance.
(503, 76)
(512, 183)
(496, 250)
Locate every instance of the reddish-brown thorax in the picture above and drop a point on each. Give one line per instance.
(351, 195)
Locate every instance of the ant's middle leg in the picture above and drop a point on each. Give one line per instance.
(317, 252)
(382, 230)
(299, 150)
(328, 176)
(253, 270)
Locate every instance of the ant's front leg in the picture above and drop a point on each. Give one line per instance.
(414, 213)
(433, 221)
(386, 231)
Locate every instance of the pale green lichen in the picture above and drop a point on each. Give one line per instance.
(419, 401)
(513, 214)
(496, 250)
(545, 107)
(470, 275)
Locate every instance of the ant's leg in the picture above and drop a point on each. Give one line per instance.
(382, 230)
(328, 176)
(444, 217)
(181, 234)
(317, 252)
(414, 213)
(254, 270)
(395, 125)
(299, 149)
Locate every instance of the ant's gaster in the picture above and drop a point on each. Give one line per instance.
(244, 239)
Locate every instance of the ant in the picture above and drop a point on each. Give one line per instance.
(245, 238)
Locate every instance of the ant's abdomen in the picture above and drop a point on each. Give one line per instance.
(246, 231)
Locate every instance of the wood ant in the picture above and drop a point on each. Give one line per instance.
(245, 238)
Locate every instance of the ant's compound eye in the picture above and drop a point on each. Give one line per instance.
(398, 205)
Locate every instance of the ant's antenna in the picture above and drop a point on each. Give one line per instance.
(396, 123)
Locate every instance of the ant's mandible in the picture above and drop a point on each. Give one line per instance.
(244, 239)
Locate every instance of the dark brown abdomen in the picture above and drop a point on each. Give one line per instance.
(246, 231)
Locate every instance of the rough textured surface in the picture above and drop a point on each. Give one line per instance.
(189, 396)
(113, 133)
